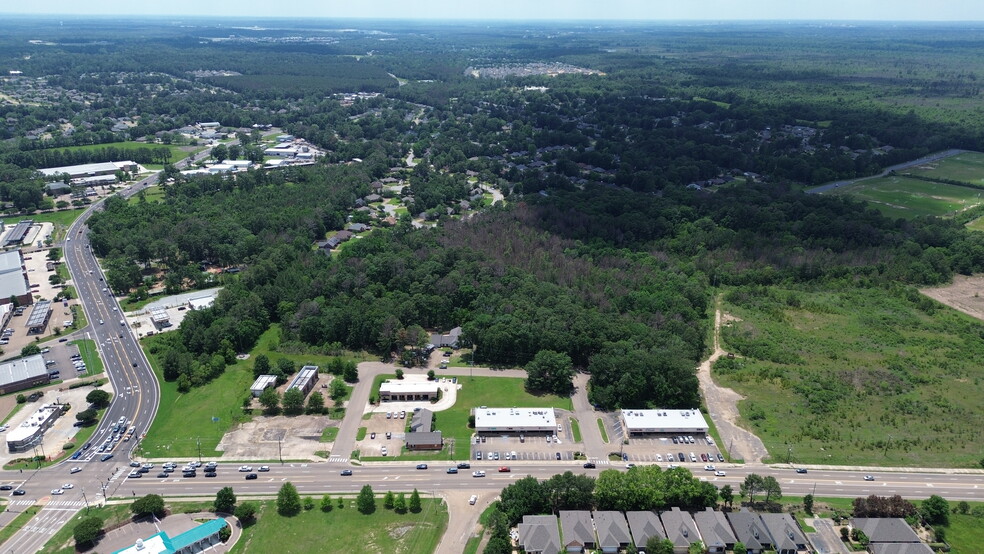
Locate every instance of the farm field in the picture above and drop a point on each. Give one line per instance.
(856, 377)
(346, 529)
(897, 196)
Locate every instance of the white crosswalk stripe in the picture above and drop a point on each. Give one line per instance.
(337, 459)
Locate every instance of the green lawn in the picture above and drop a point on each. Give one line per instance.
(183, 419)
(965, 533)
(63, 543)
(330, 433)
(151, 194)
(346, 530)
(20, 521)
(63, 218)
(859, 376)
(576, 430)
(87, 348)
(489, 391)
(601, 427)
(967, 167)
(903, 197)
(977, 224)
(177, 152)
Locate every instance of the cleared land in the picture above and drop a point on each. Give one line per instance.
(897, 196)
(962, 294)
(860, 377)
(346, 530)
(61, 217)
(177, 152)
(207, 412)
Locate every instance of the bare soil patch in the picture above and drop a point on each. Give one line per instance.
(963, 295)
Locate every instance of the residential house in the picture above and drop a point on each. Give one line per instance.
(786, 535)
(714, 530)
(885, 530)
(357, 227)
(578, 534)
(900, 548)
(680, 528)
(750, 531)
(449, 339)
(539, 535)
(643, 526)
(431, 440)
(613, 531)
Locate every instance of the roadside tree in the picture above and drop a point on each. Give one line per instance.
(550, 371)
(225, 500)
(147, 505)
(87, 530)
(400, 504)
(315, 403)
(366, 500)
(936, 510)
(87, 417)
(414, 503)
(246, 512)
(727, 495)
(98, 398)
(288, 500)
(326, 504)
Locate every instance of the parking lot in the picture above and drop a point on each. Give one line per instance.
(661, 448)
(380, 425)
(527, 446)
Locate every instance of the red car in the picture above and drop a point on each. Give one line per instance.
(504, 469)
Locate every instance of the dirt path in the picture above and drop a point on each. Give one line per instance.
(723, 406)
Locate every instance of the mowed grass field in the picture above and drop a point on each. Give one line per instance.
(184, 419)
(856, 377)
(967, 167)
(346, 530)
(63, 218)
(177, 152)
(150, 194)
(897, 196)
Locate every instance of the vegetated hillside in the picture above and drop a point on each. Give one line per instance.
(842, 375)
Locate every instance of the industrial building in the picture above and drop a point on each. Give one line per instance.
(305, 379)
(160, 318)
(393, 390)
(37, 322)
(262, 383)
(201, 303)
(515, 420)
(23, 374)
(30, 433)
(13, 276)
(90, 170)
(644, 422)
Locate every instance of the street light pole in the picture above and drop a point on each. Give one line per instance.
(280, 452)
(199, 441)
(86, 500)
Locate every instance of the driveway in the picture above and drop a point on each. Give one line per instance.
(825, 540)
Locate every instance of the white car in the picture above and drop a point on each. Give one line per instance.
(264, 468)
(75, 469)
(719, 473)
(478, 474)
(473, 499)
(245, 469)
(57, 491)
(659, 457)
(68, 486)
(708, 468)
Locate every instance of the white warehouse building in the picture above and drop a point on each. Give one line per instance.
(515, 420)
(664, 421)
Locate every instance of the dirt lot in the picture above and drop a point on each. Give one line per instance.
(962, 295)
(266, 437)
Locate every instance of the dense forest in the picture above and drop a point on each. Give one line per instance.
(629, 195)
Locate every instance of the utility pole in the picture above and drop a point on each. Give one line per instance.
(280, 452)
(199, 441)
(86, 500)
(789, 453)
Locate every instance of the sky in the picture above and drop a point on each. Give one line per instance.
(712, 10)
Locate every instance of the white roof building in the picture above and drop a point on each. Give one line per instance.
(492, 420)
(89, 170)
(22, 370)
(261, 384)
(32, 430)
(664, 421)
(394, 389)
(201, 303)
(13, 281)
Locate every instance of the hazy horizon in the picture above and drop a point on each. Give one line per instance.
(955, 11)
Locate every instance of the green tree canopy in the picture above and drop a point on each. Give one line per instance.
(657, 545)
(245, 512)
(550, 371)
(261, 365)
(270, 399)
(366, 500)
(87, 530)
(147, 505)
(225, 500)
(936, 510)
(293, 401)
(98, 398)
(414, 504)
(288, 500)
(87, 417)
(30, 350)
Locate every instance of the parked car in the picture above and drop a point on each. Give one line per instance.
(473, 499)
